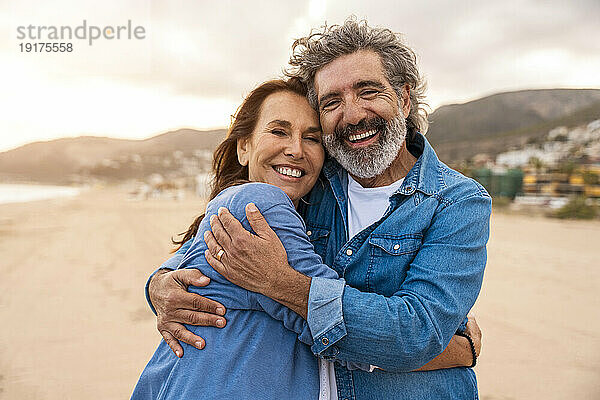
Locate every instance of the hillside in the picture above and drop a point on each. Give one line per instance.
(490, 125)
(75, 159)
(495, 123)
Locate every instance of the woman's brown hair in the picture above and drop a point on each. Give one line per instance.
(227, 171)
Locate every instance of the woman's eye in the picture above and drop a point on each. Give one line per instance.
(313, 139)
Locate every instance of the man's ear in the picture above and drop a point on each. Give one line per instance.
(242, 150)
(405, 100)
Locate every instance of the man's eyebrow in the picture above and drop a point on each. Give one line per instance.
(363, 84)
(281, 122)
(356, 86)
(327, 97)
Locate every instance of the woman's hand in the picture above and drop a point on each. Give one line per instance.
(176, 306)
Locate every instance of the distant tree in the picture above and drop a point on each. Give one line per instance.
(561, 138)
(535, 140)
(591, 178)
(536, 163)
(576, 208)
(567, 168)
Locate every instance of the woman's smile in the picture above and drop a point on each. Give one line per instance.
(285, 147)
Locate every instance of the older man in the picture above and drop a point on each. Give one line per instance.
(407, 233)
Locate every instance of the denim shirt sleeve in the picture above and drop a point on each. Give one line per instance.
(171, 263)
(402, 332)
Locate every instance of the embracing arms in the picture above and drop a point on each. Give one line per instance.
(398, 332)
(295, 286)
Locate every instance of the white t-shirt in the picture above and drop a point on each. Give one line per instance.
(365, 206)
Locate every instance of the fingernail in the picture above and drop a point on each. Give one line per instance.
(220, 323)
(220, 311)
(221, 210)
(212, 218)
(252, 207)
(178, 353)
(203, 281)
(199, 345)
(205, 235)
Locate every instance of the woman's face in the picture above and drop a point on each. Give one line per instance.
(285, 147)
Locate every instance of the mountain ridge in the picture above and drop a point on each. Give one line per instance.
(492, 124)
(459, 131)
(58, 160)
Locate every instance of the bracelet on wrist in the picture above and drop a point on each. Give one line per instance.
(471, 345)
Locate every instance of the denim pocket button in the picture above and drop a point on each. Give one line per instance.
(318, 237)
(325, 341)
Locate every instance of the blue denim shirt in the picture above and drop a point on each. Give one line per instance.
(263, 352)
(411, 278)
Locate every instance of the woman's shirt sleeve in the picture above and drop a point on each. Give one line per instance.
(279, 212)
(282, 217)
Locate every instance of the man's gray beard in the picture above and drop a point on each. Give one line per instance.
(370, 161)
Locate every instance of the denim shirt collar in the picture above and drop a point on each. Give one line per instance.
(424, 176)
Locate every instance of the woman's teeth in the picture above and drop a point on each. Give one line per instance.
(296, 173)
(359, 136)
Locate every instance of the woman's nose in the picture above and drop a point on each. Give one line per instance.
(295, 148)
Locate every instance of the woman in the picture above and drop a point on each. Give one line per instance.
(272, 156)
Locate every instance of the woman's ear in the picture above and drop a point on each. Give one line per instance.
(242, 150)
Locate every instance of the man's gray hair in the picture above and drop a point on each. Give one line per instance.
(320, 47)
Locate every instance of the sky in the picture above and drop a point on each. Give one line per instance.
(197, 59)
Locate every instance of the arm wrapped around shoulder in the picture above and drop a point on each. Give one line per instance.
(404, 331)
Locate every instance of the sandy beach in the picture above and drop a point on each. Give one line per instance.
(73, 272)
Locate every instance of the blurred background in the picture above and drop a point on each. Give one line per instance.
(105, 152)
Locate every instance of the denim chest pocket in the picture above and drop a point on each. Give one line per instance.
(318, 237)
(390, 258)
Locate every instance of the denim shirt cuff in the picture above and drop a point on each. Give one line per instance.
(463, 325)
(325, 318)
(148, 286)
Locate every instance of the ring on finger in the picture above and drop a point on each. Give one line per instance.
(220, 254)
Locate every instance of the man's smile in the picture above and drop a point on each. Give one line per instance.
(363, 138)
(359, 136)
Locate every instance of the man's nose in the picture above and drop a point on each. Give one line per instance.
(353, 113)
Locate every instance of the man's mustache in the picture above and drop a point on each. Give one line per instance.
(376, 123)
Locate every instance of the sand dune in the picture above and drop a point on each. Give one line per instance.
(73, 272)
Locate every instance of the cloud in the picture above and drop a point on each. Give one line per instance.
(218, 51)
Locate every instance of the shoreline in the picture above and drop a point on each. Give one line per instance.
(11, 193)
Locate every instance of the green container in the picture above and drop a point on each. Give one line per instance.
(484, 177)
(507, 184)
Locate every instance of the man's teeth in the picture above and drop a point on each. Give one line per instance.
(296, 173)
(359, 136)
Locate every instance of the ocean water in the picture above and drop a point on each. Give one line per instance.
(10, 193)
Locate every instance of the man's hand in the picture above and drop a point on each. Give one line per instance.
(474, 332)
(255, 262)
(176, 306)
(458, 353)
